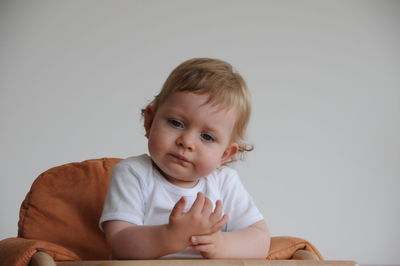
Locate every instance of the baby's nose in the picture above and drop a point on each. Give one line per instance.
(186, 141)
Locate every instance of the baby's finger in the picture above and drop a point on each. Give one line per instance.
(218, 208)
(220, 224)
(216, 215)
(207, 208)
(179, 206)
(198, 203)
(201, 240)
(203, 248)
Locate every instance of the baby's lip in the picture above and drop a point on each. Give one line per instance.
(180, 157)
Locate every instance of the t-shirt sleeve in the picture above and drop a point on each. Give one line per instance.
(238, 204)
(124, 200)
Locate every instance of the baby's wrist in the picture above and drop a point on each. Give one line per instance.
(219, 240)
(173, 241)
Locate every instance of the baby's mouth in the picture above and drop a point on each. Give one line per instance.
(180, 157)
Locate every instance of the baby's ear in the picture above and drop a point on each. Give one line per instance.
(148, 115)
(232, 149)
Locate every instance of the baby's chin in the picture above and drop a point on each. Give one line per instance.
(181, 182)
(174, 177)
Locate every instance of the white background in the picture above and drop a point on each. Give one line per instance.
(325, 81)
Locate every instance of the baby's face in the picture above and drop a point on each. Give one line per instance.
(189, 139)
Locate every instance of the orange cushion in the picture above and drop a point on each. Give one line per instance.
(18, 251)
(64, 205)
(283, 247)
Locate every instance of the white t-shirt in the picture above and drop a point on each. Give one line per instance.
(139, 194)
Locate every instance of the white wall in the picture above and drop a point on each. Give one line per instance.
(325, 80)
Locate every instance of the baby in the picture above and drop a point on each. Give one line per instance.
(181, 200)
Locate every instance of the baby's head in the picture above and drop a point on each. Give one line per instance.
(224, 87)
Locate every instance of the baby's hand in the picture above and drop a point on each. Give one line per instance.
(208, 245)
(199, 220)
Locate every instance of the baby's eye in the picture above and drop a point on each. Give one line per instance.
(175, 123)
(207, 137)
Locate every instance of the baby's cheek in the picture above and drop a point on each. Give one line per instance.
(155, 148)
(210, 164)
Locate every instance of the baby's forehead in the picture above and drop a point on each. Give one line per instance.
(220, 108)
(215, 104)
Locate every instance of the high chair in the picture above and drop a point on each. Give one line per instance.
(58, 225)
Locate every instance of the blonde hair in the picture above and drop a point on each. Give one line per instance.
(224, 86)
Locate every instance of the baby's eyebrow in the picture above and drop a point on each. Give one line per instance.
(172, 109)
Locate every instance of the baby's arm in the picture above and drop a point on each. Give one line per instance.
(251, 242)
(129, 241)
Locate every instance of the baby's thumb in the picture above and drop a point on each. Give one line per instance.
(179, 206)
